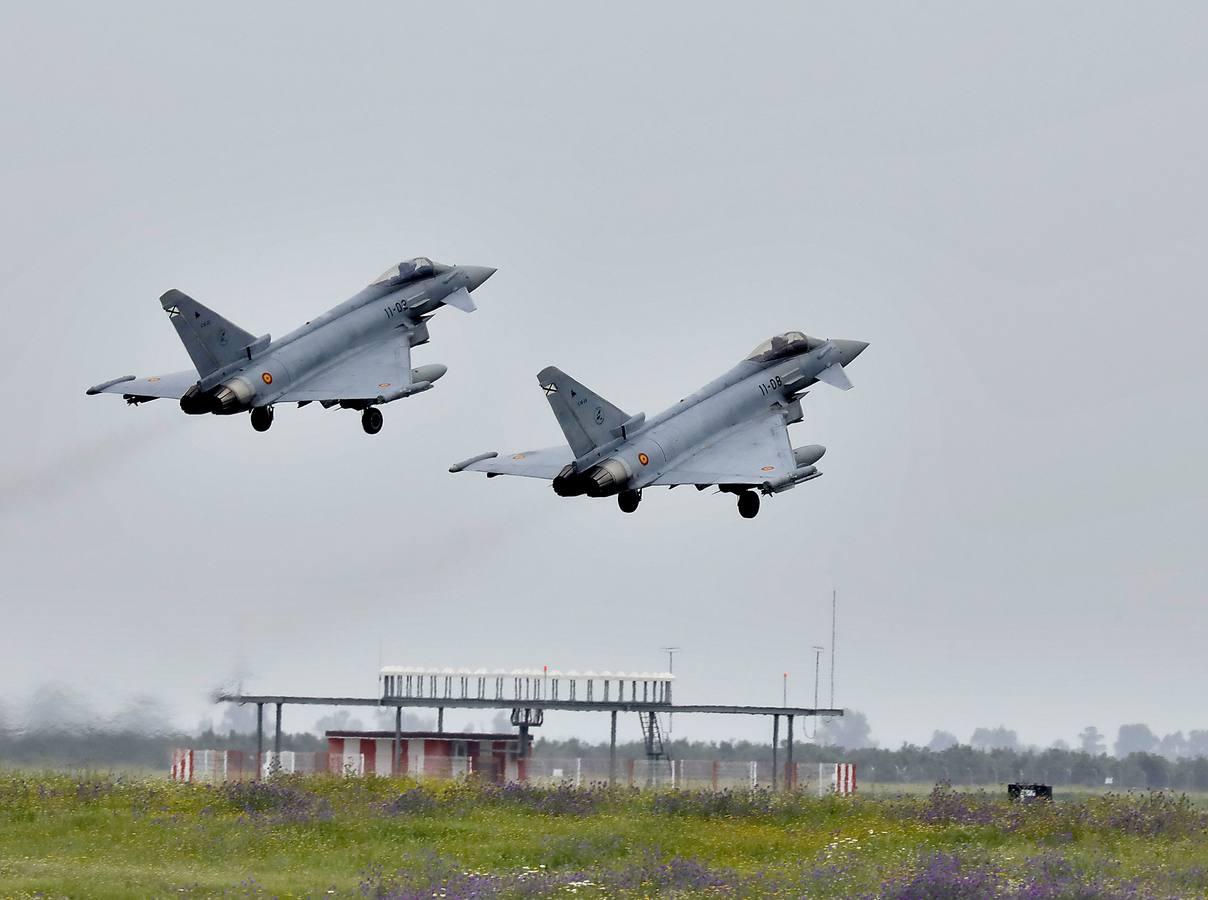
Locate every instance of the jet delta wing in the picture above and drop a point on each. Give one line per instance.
(545, 463)
(749, 453)
(732, 433)
(355, 356)
(363, 374)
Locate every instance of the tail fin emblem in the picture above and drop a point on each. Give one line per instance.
(550, 388)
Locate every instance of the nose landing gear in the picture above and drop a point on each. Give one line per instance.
(371, 420)
(748, 504)
(629, 500)
(262, 418)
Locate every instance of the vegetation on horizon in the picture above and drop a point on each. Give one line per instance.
(959, 764)
(377, 837)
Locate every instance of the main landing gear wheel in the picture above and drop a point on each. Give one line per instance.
(262, 418)
(748, 504)
(371, 420)
(629, 500)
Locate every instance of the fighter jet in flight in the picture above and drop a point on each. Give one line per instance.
(355, 356)
(732, 433)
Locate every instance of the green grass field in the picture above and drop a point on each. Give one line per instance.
(119, 836)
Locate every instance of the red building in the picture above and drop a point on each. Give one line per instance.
(430, 754)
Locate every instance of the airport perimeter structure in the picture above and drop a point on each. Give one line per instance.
(529, 693)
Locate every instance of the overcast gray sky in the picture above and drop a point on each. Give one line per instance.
(1008, 202)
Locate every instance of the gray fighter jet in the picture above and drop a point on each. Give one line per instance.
(355, 356)
(732, 433)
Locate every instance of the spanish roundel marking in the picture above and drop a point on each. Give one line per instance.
(518, 456)
(153, 379)
(266, 377)
(384, 384)
(644, 459)
(768, 469)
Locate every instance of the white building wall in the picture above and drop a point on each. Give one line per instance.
(384, 756)
(415, 756)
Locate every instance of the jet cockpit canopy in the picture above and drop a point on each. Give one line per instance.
(408, 270)
(788, 344)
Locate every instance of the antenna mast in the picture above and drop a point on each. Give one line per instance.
(834, 605)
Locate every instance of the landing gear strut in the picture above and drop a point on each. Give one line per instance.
(262, 418)
(748, 504)
(629, 500)
(371, 420)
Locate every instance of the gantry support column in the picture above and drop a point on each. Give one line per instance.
(440, 720)
(612, 750)
(790, 780)
(277, 738)
(398, 740)
(775, 749)
(259, 737)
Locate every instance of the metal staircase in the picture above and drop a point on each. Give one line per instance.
(652, 735)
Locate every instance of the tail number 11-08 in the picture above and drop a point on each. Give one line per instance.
(772, 385)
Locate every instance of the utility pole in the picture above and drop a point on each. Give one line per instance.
(670, 651)
(817, 667)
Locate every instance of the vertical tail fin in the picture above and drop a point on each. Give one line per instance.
(212, 341)
(587, 419)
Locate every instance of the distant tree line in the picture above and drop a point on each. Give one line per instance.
(960, 764)
(127, 749)
(56, 731)
(1130, 739)
(992, 755)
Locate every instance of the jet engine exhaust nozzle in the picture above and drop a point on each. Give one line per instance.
(229, 397)
(607, 478)
(232, 396)
(569, 482)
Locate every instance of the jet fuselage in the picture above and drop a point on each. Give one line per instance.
(639, 457)
(330, 339)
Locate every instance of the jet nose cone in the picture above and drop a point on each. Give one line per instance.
(476, 275)
(850, 349)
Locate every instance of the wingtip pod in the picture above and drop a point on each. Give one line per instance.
(100, 388)
(465, 463)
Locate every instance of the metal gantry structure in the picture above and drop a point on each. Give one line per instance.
(527, 694)
(524, 685)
